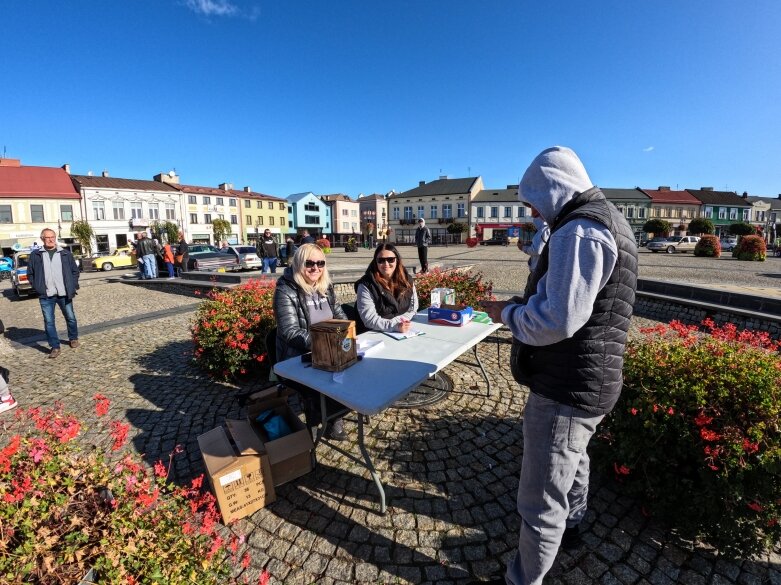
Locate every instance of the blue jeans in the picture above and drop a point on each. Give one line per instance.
(170, 266)
(66, 306)
(553, 491)
(150, 266)
(269, 264)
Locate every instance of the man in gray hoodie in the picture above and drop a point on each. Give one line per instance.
(569, 335)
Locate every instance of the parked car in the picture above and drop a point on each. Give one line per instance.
(495, 240)
(247, 256)
(728, 244)
(674, 244)
(121, 257)
(6, 266)
(207, 257)
(21, 285)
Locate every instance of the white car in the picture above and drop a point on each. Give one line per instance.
(728, 244)
(247, 256)
(674, 244)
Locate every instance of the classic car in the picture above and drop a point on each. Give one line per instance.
(247, 256)
(673, 244)
(207, 257)
(120, 258)
(21, 285)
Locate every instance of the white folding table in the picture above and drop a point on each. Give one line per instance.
(388, 373)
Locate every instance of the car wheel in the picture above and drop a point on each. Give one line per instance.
(671, 249)
(108, 266)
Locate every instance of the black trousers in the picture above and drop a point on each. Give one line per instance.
(423, 256)
(310, 400)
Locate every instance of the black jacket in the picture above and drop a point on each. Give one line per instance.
(386, 305)
(292, 316)
(37, 277)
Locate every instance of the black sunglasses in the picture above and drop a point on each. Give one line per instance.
(313, 263)
(388, 260)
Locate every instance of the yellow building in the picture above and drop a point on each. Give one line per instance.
(260, 212)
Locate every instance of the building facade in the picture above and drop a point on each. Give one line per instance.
(307, 212)
(676, 207)
(345, 217)
(260, 212)
(498, 214)
(373, 211)
(33, 198)
(767, 215)
(204, 205)
(723, 208)
(634, 205)
(439, 202)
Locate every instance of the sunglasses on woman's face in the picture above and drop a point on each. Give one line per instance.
(313, 263)
(387, 260)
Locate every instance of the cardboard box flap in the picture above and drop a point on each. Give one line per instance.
(290, 446)
(218, 455)
(245, 437)
(268, 393)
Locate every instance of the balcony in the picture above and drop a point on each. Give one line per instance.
(139, 222)
(446, 220)
(407, 221)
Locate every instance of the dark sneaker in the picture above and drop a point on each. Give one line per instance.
(335, 431)
(55, 351)
(74, 343)
(571, 538)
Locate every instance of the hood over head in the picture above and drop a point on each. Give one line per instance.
(421, 222)
(553, 178)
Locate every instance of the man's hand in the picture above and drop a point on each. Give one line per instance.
(494, 309)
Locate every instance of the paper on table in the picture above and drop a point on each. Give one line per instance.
(400, 335)
(368, 346)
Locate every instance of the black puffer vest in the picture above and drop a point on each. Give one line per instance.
(386, 305)
(586, 370)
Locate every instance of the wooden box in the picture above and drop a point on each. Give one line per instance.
(333, 345)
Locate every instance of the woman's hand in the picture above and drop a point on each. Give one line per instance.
(404, 326)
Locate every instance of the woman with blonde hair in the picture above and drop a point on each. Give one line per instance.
(304, 296)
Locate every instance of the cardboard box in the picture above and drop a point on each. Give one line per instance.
(450, 315)
(333, 345)
(289, 456)
(241, 481)
(443, 296)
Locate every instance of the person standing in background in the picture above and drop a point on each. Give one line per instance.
(168, 258)
(183, 252)
(269, 251)
(422, 241)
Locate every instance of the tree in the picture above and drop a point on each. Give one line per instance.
(166, 228)
(742, 229)
(83, 232)
(222, 228)
(457, 228)
(701, 225)
(657, 227)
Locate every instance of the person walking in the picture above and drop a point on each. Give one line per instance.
(306, 238)
(422, 241)
(569, 336)
(183, 253)
(168, 258)
(54, 275)
(146, 249)
(269, 251)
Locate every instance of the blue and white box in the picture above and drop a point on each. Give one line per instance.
(450, 315)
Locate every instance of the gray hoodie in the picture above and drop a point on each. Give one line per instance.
(582, 254)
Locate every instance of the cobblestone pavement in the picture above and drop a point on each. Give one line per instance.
(450, 470)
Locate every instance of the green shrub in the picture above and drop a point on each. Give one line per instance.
(696, 433)
(708, 246)
(324, 244)
(750, 248)
(470, 288)
(230, 328)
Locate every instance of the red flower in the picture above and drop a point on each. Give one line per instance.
(709, 435)
(701, 420)
(245, 561)
(750, 447)
(160, 469)
(264, 578)
(634, 411)
(754, 506)
(101, 404)
(119, 434)
(621, 470)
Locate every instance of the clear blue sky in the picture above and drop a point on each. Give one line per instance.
(355, 96)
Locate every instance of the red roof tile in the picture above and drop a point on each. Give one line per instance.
(681, 197)
(36, 183)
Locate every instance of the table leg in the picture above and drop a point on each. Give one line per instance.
(369, 465)
(482, 369)
(323, 420)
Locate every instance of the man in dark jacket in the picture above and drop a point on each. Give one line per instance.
(269, 251)
(570, 332)
(54, 275)
(422, 241)
(183, 251)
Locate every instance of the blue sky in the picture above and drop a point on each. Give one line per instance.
(361, 97)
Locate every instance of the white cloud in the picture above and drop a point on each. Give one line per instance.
(212, 7)
(648, 149)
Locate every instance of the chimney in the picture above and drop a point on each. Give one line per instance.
(745, 194)
(10, 162)
(664, 187)
(67, 168)
(421, 183)
(706, 188)
(170, 177)
(512, 187)
(225, 186)
(247, 189)
(442, 177)
(104, 173)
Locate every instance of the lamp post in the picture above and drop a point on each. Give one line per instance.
(59, 229)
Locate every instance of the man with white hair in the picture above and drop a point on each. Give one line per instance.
(422, 241)
(569, 335)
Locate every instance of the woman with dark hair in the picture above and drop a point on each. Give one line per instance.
(386, 296)
(304, 296)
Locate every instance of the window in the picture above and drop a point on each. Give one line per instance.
(433, 213)
(232, 203)
(722, 213)
(271, 220)
(311, 207)
(354, 227)
(259, 205)
(207, 218)
(249, 220)
(395, 214)
(118, 207)
(421, 212)
(508, 212)
(345, 212)
(98, 210)
(154, 211)
(675, 213)
(5, 214)
(461, 212)
(207, 200)
(686, 213)
(621, 210)
(521, 211)
(709, 213)
(221, 216)
(630, 212)
(234, 219)
(282, 207)
(480, 212)
(191, 199)
(170, 211)
(345, 225)
(641, 213)
(733, 213)
(66, 212)
(282, 221)
(353, 213)
(247, 204)
(36, 213)
(447, 210)
(220, 201)
(312, 220)
(407, 212)
(495, 211)
(136, 211)
(193, 218)
(260, 221)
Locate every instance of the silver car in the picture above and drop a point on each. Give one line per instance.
(247, 256)
(674, 244)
